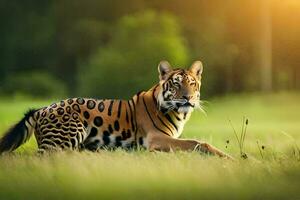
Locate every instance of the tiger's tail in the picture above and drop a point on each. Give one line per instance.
(19, 133)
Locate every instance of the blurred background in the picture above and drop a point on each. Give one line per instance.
(110, 49)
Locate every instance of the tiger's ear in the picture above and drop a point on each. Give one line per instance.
(196, 68)
(164, 68)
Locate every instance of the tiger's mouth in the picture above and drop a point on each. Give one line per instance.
(185, 108)
(179, 105)
(187, 104)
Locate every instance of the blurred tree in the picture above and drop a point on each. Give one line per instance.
(265, 45)
(128, 63)
(27, 30)
(286, 44)
(82, 27)
(206, 28)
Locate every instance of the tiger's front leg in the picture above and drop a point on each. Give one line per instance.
(166, 143)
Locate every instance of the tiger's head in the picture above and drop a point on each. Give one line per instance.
(179, 88)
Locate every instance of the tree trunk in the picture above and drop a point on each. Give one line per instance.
(265, 45)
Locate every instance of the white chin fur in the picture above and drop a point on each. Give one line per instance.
(185, 109)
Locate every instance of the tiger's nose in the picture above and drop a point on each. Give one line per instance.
(187, 97)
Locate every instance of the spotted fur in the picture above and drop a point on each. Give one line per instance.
(152, 119)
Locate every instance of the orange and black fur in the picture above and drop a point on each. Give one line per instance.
(152, 119)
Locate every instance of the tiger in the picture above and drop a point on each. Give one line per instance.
(152, 119)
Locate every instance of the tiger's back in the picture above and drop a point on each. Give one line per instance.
(86, 123)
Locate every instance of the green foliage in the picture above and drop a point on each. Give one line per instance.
(128, 63)
(37, 84)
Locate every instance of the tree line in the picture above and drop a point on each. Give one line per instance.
(111, 48)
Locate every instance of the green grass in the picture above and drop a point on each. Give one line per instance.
(274, 122)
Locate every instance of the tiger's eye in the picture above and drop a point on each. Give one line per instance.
(172, 89)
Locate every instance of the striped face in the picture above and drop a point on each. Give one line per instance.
(179, 88)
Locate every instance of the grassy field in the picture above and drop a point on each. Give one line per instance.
(272, 170)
